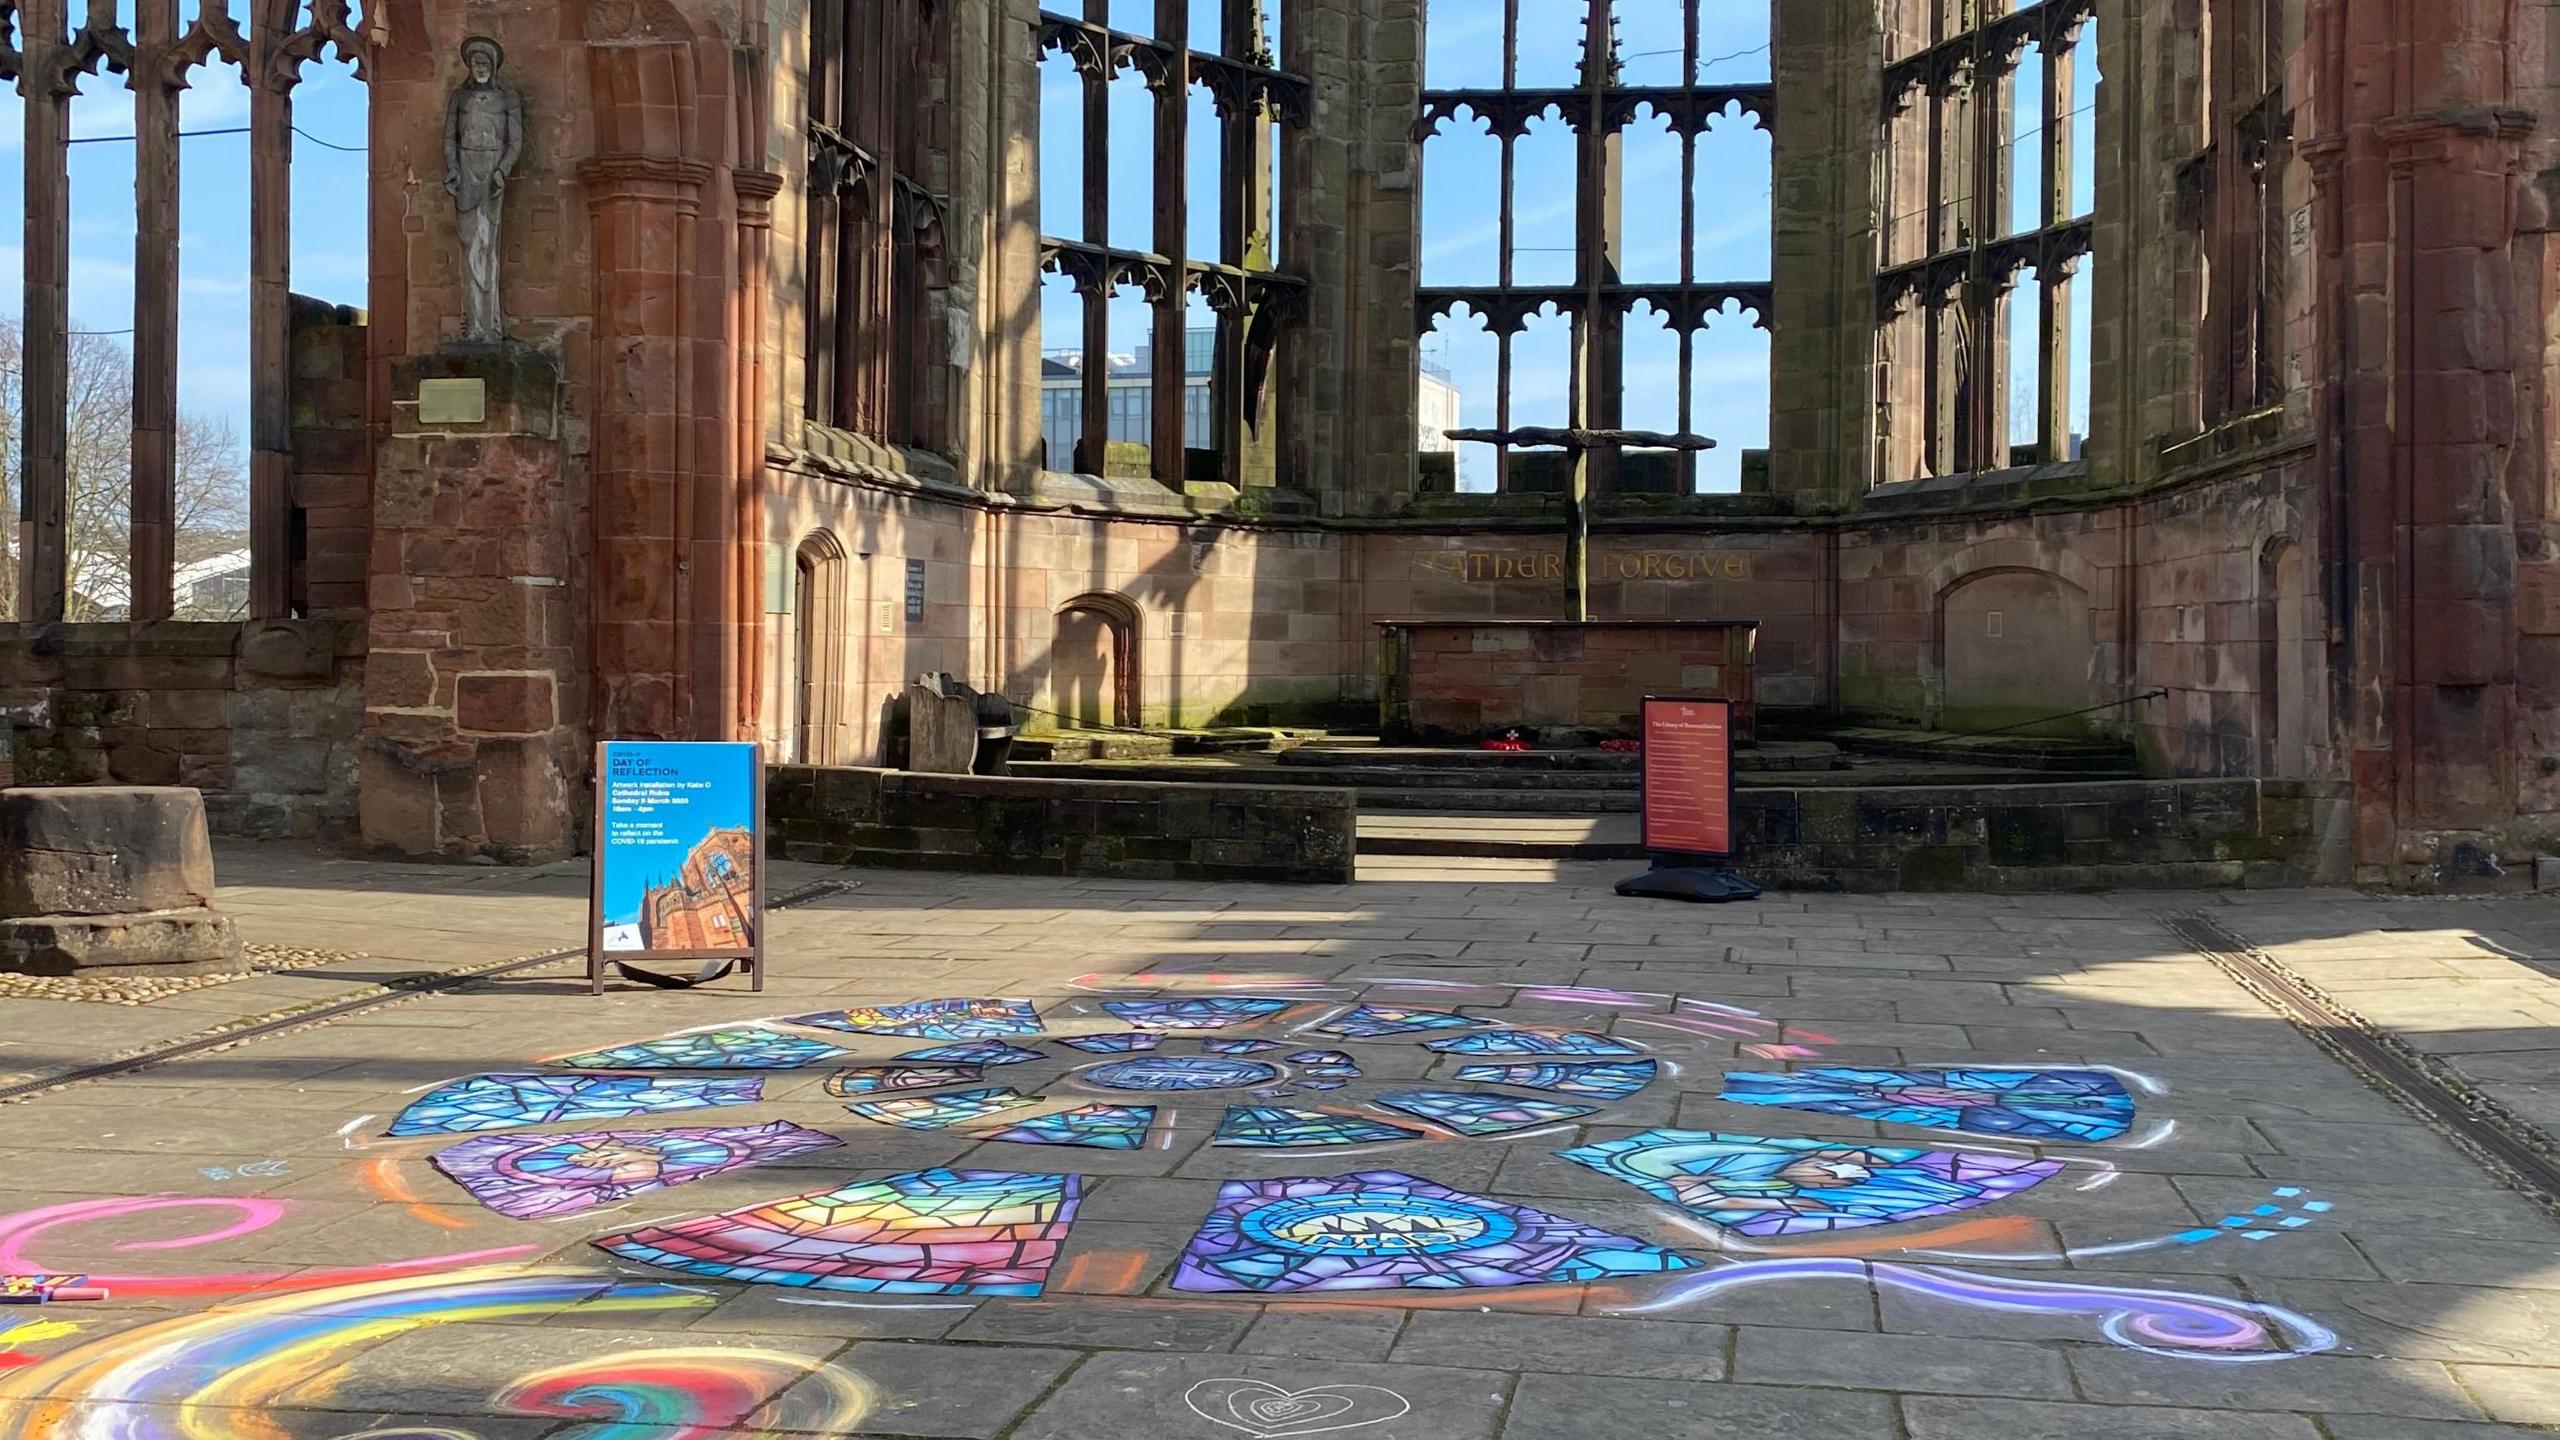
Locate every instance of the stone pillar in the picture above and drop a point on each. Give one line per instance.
(2429, 232)
(1355, 232)
(475, 733)
(1823, 264)
(662, 209)
(565, 524)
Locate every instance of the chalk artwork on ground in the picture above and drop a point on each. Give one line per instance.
(1325, 1064)
(1212, 1013)
(1181, 1072)
(1599, 1080)
(1120, 1044)
(2086, 1105)
(1289, 1127)
(1100, 1127)
(971, 1052)
(1371, 1022)
(1779, 1210)
(926, 1232)
(941, 1112)
(741, 1048)
(932, 1019)
(506, 1102)
(876, 1079)
(702, 1392)
(1532, 1042)
(539, 1177)
(1471, 1114)
(1267, 1412)
(1383, 1229)
(1765, 1187)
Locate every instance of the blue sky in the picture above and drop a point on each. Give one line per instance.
(213, 246)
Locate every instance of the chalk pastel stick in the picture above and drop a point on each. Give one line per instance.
(45, 1297)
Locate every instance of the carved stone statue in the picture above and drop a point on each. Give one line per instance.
(483, 135)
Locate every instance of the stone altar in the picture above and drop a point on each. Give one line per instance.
(1558, 682)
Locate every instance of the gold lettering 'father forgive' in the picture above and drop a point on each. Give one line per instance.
(1549, 565)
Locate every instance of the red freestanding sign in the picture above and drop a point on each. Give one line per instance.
(1688, 777)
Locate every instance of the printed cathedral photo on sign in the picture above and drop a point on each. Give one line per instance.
(679, 849)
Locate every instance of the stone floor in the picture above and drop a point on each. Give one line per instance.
(2268, 1249)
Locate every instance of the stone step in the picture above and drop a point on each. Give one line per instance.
(2050, 755)
(1783, 755)
(1497, 802)
(1473, 836)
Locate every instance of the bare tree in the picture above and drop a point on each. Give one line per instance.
(213, 500)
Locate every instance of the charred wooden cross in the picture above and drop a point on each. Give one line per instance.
(1577, 497)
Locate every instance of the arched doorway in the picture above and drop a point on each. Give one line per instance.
(818, 646)
(1093, 661)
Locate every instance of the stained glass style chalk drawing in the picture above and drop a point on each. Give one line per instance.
(1284, 1125)
(1473, 1114)
(506, 1102)
(2084, 1105)
(1764, 1187)
(1598, 1080)
(745, 1048)
(1181, 1072)
(1121, 1044)
(1369, 1022)
(1214, 1012)
(539, 1177)
(1099, 1127)
(927, 1232)
(973, 1052)
(932, 1019)
(1531, 1042)
(1383, 1230)
(880, 1079)
(941, 1112)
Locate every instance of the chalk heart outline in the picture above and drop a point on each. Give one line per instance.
(1267, 1412)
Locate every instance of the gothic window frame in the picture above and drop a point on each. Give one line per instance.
(876, 270)
(2231, 196)
(1944, 411)
(1260, 306)
(1598, 109)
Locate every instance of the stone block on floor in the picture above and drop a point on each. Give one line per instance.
(103, 850)
(198, 940)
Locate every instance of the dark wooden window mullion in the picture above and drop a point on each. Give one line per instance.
(1688, 245)
(1241, 37)
(2053, 362)
(1096, 442)
(155, 313)
(1171, 375)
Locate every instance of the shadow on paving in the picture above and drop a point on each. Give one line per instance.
(2442, 1288)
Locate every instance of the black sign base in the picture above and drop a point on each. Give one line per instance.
(1699, 884)
(710, 972)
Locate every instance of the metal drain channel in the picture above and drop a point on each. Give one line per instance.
(2473, 1124)
(430, 985)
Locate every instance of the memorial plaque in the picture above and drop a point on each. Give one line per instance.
(453, 402)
